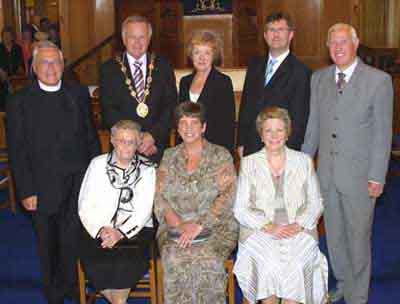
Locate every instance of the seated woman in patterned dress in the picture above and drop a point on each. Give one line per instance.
(115, 208)
(196, 185)
(278, 204)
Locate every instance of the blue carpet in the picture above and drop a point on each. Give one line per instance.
(19, 266)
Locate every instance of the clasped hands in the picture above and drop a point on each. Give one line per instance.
(279, 231)
(189, 231)
(109, 237)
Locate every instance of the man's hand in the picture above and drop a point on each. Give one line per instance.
(30, 203)
(147, 146)
(374, 189)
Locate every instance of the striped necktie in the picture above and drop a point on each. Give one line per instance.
(138, 80)
(270, 70)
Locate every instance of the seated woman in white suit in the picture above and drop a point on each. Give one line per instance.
(115, 208)
(278, 205)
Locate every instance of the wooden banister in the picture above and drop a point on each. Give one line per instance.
(90, 53)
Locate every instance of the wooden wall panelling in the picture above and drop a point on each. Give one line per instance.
(373, 23)
(245, 31)
(393, 23)
(104, 20)
(171, 32)
(221, 25)
(1, 15)
(75, 29)
(9, 13)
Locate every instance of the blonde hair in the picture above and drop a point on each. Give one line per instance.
(274, 113)
(204, 37)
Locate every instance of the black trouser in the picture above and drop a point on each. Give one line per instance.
(58, 236)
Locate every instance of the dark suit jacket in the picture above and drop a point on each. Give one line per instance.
(117, 103)
(289, 88)
(219, 101)
(38, 147)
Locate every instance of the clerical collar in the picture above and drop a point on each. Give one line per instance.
(48, 88)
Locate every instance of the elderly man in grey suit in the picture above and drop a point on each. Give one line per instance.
(350, 125)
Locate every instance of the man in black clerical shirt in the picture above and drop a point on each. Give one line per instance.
(51, 139)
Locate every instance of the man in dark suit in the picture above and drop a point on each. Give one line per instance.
(278, 79)
(139, 86)
(51, 139)
(350, 126)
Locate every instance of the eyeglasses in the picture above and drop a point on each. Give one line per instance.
(47, 63)
(125, 142)
(279, 30)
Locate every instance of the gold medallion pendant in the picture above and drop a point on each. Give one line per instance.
(142, 110)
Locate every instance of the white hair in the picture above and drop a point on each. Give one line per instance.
(44, 44)
(136, 19)
(342, 26)
(127, 125)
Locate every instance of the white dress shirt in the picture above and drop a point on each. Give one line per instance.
(279, 61)
(143, 67)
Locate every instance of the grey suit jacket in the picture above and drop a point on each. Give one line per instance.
(351, 130)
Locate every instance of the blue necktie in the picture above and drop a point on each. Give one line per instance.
(270, 70)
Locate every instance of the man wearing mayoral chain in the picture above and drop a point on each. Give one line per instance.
(139, 86)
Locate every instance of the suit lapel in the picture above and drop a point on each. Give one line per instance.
(260, 72)
(188, 84)
(205, 92)
(290, 173)
(283, 69)
(331, 90)
(264, 174)
(128, 69)
(352, 85)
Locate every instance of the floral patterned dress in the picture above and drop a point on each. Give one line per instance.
(205, 196)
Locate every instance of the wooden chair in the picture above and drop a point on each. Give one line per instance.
(230, 289)
(6, 180)
(145, 288)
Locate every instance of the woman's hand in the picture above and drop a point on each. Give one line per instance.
(280, 232)
(109, 237)
(189, 231)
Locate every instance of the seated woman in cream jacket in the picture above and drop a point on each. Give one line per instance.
(278, 204)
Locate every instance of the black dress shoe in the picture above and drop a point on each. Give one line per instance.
(335, 295)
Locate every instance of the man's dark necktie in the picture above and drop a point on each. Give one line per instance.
(341, 81)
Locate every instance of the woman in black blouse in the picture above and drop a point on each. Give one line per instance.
(210, 87)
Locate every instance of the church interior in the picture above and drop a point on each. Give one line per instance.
(89, 33)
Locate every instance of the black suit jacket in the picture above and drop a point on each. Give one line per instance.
(289, 88)
(219, 100)
(117, 102)
(38, 150)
